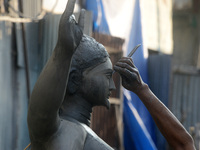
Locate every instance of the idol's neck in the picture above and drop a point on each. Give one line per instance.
(76, 108)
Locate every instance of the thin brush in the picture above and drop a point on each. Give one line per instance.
(132, 52)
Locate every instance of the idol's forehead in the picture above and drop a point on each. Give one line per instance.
(88, 54)
(105, 66)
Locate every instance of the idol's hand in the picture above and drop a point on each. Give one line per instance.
(131, 79)
(70, 32)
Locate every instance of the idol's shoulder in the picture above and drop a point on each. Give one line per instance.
(93, 141)
(69, 136)
(73, 136)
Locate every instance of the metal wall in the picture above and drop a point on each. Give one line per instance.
(182, 96)
(31, 8)
(6, 94)
(49, 35)
(13, 89)
(185, 102)
(159, 68)
(186, 98)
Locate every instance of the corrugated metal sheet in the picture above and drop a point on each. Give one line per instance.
(186, 99)
(50, 35)
(32, 7)
(5, 87)
(184, 93)
(13, 96)
(159, 67)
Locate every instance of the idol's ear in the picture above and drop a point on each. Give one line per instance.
(74, 82)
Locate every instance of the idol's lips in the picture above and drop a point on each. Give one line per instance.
(109, 94)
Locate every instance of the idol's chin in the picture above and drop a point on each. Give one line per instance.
(107, 104)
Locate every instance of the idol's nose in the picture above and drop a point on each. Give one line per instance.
(112, 85)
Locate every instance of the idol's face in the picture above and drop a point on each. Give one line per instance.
(97, 84)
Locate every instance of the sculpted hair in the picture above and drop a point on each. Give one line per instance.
(89, 53)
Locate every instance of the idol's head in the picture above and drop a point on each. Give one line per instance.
(91, 73)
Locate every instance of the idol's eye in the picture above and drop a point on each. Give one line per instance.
(109, 75)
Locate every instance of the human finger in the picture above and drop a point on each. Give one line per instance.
(69, 8)
(124, 65)
(127, 60)
(125, 70)
(122, 71)
(128, 72)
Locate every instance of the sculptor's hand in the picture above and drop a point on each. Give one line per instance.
(70, 32)
(131, 79)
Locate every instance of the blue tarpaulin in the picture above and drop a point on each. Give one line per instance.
(136, 136)
(99, 19)
(139, 128)
(140, 61)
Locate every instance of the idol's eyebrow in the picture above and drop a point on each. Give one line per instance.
(109, 70)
